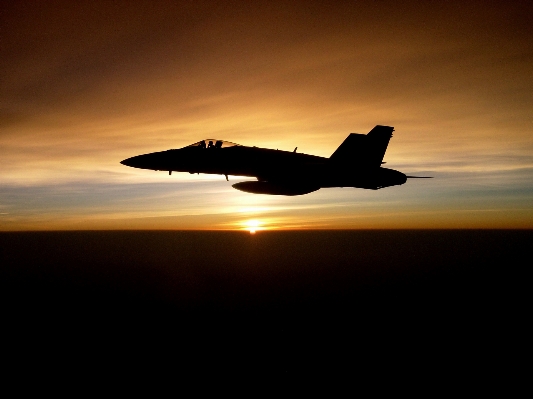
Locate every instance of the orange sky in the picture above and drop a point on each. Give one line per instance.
(84, 85)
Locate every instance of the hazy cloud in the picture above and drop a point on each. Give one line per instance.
(84, 85)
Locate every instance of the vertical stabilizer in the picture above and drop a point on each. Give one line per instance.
(365, 150)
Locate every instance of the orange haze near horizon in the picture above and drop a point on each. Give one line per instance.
(87, 84)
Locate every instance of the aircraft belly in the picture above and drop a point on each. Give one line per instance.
(364, 178)
(273, 188)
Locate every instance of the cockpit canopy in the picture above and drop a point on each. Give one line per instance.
(212, 143)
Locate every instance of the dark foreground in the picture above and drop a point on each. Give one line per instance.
(425, 302)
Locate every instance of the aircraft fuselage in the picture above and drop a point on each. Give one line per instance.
(282, 172)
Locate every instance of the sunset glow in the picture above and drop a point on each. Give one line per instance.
(252, 226)
(97, 82)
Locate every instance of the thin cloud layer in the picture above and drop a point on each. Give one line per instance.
(87, 84)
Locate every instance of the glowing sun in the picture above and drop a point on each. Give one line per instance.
(252, 225)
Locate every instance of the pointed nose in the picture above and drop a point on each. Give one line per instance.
(138, 161)
(128, 162)
(153, 161)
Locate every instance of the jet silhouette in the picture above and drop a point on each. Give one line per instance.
(356, 163)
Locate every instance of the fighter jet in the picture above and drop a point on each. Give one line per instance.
(356, 163)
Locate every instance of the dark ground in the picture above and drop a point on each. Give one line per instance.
(424, 303)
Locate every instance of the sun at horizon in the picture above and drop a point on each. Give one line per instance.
(253, 225)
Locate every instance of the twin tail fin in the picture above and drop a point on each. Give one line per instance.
(364, 150)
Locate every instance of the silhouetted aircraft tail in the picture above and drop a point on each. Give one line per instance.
(366, 150)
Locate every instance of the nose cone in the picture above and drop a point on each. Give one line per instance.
(129, 162)
(153, 161)
(146, 161)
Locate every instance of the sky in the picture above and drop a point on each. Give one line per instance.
(86, 84)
